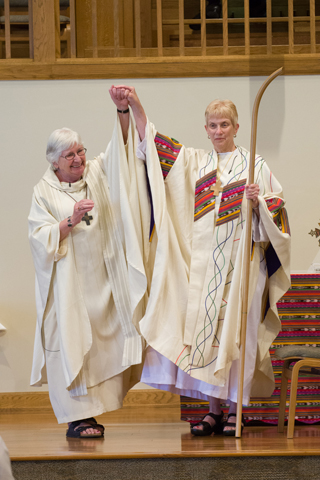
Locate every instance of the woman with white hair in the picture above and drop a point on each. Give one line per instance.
(192, 321)
(86, 347)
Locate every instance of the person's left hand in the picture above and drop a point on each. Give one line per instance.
(252, 192)
(119, 95)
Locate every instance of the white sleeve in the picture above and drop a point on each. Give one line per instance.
(5, 464)
(142, 147)
(259, 233)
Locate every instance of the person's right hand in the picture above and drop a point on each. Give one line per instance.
(123, 95)
(133, 98)
(119, 96)
(80, 209)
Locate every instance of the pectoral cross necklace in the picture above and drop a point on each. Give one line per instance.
(217, 187)
(86, 218)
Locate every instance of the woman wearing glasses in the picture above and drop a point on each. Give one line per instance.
(86, 347)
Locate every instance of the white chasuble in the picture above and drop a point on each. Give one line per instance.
(89, 287)
(194, 309)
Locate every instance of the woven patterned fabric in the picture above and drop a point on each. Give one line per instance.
(168, 149)
(274, 205)
(282, 222)
(204, 197)
(231, 200)
(299, 311)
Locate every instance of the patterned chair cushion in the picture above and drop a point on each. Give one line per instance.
(297, 351)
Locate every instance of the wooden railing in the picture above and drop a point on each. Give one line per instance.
(152, 38)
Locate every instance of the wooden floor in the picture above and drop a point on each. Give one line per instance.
(140, 432)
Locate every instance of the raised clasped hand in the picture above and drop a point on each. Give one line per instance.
(123, 96)
(119, 95)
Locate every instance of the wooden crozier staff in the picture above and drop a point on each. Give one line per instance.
(247, 248)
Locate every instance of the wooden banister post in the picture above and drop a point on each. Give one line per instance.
(31, 41)
(57, 28)
(7, 28)
(73, 29)
(43, 30)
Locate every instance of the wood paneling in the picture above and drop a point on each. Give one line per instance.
(143, 38)
(166, 67)
(128, 24)
(33, 402)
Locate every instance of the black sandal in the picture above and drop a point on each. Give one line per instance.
(207, 429)
(74, 430)
(232, 433)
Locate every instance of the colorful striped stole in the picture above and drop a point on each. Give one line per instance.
(282, 221)
(168, 149)
(280, 217)
(204, 197)
(274, 205)
(231, 200)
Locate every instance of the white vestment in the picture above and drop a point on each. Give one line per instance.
(90, 287)
(5, 464)
(194, 309)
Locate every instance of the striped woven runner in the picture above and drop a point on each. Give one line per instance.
(299, 311)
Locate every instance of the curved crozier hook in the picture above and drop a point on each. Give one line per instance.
(254, 121)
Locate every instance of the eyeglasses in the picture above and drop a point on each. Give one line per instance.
(71, 156)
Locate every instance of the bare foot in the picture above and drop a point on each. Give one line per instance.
(232, 420)
(87, 431)
(229, 428)
(93, 428)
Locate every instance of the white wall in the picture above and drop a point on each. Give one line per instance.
(288, 137)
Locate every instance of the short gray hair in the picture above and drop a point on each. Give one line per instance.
(60, 140)
(222, 108)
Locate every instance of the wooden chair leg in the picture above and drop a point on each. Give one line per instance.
(293, 399)
(283, 396)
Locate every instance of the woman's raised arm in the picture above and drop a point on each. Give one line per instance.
(123, 96)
